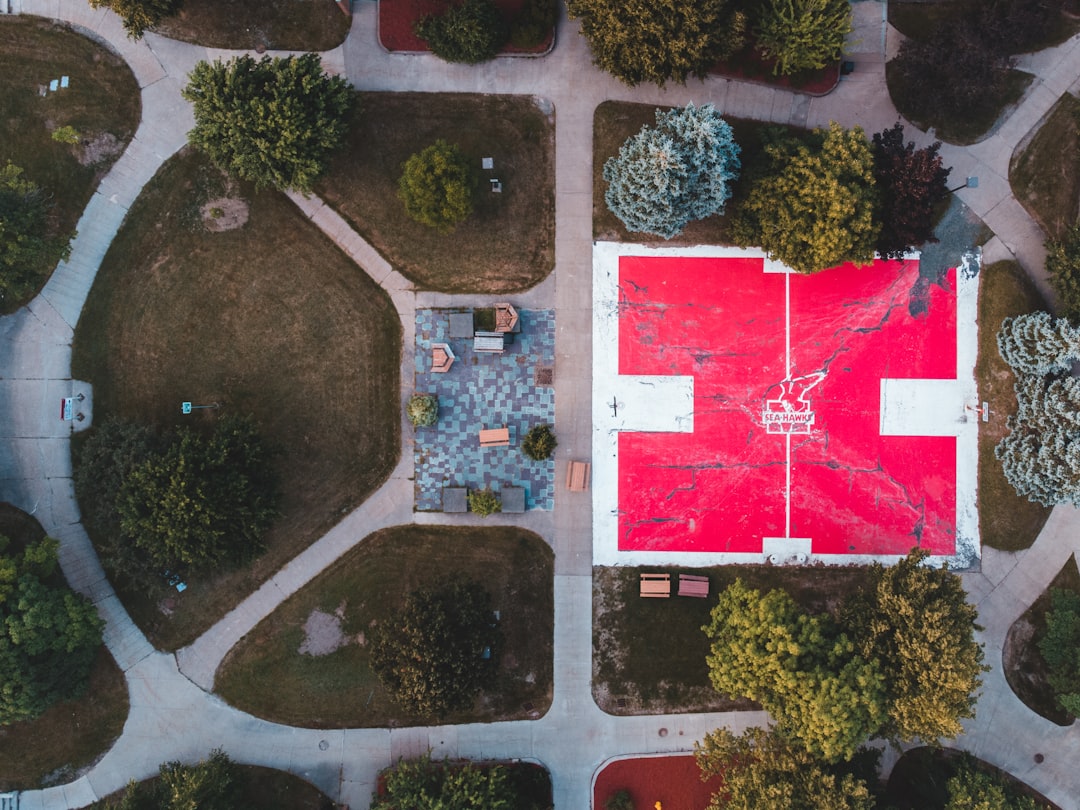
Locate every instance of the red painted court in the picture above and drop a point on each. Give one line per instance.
(787, 397)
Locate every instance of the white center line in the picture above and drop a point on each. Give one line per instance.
(787, 365)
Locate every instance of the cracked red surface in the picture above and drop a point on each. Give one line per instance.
(724, 486)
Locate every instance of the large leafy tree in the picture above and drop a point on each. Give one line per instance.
(28, 248)
(201, 502)
(1063, 265)
(421, 784)
(49, 634)
(763, 769)
(657, 40)
(912, 182)
(437, 652)
(436, 186)
(1060, 648)
(139, 16)
(917, 625)
(1036, 343)
(274, 122)
(470, 32)
(813, 206)
(801, 668)
(803, 34)
(679, 171)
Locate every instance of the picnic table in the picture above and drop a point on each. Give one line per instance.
(495, 437)
(656, 586)
(488, 342)
(577, 476)
(693, 585)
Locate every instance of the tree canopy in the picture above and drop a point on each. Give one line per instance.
(274, 122)
(657, 40)
(439, 650)
(972, 789)
(911, 182)
(139, 16)
(1060, 648)
(421, 784)
(28, 249)
(813, 207)
(1063, 265)
(436, 186)
(215, 783)
(763, 769)
(679, 171)
(803, 34)
(470, 32)
(49, 634)
(1036, 343)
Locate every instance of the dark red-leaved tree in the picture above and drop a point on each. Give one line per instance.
(912, 183)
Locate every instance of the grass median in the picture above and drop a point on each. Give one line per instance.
(1045, 173)
(266, 675)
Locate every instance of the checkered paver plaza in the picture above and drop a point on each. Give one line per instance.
(484, 390)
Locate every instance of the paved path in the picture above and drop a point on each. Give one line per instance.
(173, 715)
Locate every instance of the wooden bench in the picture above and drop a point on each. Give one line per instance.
(577, 476)
(691, 585)
(496, 437)
(656, 585)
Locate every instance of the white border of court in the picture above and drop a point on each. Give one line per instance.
(666, 404)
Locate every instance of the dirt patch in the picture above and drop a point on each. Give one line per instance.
(322, 632)
(98, 149)
(224, 214)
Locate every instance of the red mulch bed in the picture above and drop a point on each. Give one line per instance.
(673, 781)
(749, 65)
(397, 17)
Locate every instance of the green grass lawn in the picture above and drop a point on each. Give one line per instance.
(286, 25)
(267, 676)
(1025, 668)
(1007, 521)
(72, 734)
(102, 103)
(269, 319)
(508, 244)
(1045, 174)
(650, 653)
(917, 19)
(613, 123)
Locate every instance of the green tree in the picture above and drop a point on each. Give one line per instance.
(215, 783)
(1060, 648)
(813, 208)
(800, 668)
(274, 122)
(680, 171)
(917, 625)
(103, 461)
(803, 34)
(421, 784)
(657, 40)
(471, 32)
(200, 503)
(1036, 343)
(139, 16)
(1040, 455)
(436, 187)
(539, 443)
(972, 789)
(762, 769)
(533, 23)
(439, 650)
(1063, 265)
(49, 634)
(483, 502)
(28, 248)
(423, 410)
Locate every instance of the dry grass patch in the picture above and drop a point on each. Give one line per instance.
(1025, 668)
(613, 123)
(102, 103)
(508, 244)
(1045, 174)
(269, 319)
(267, 675)
(1007, 521)
(650, 653)
(72, 734)
(286, 25)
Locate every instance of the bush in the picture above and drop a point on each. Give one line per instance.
(423, 410)
(66, 134)
(436, 187)
(1063, 265)
(539, 443)
(484, 502)
(425, 784)
(619, 800)
(140, 15)
(1060, 648)
(470, 33)
(803, 34)
(533, 24)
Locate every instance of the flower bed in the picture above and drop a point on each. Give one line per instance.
(673, 781)
(397, 18)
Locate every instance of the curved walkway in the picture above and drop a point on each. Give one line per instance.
(173, 716)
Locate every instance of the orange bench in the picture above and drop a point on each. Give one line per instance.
(692, 585)
(656, 585)
(496, 437)
(577, 476)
